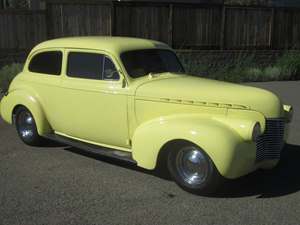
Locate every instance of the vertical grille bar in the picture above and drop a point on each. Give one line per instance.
(270, 144)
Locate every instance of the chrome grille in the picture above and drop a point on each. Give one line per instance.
(269, 145)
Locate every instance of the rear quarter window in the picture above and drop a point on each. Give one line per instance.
(46, 63)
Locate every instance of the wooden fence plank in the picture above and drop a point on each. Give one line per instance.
(170, 25)
(223, 22)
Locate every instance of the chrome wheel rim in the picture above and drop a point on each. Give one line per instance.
(25, 125)
(192, 165)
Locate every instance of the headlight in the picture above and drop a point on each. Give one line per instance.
(247, 129)
(288, 112)
(256, 132)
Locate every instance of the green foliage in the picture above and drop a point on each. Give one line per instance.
(247, 2)
(254, 73)
(7, 73)
(243, 68)
(290, 65)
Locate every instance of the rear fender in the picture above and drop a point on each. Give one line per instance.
(30, 101)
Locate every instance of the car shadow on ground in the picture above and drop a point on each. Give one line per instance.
(117, 162)
(280, 181)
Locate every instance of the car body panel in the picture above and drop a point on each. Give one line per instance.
(211, 92)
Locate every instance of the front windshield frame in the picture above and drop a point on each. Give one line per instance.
(179, 64)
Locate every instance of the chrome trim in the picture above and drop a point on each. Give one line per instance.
(25, 125)
(93, 149)
(271, 142)
(192, 165)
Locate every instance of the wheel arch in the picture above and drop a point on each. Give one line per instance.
(14, 112)
(154, 138)
(168, 146)
(18, 98)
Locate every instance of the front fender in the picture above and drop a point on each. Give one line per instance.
(30, 101)
(231, 154)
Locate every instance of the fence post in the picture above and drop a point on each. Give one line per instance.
(271, 31)
(48, 19)
(112, 19)
(223, 23)
(170, 25)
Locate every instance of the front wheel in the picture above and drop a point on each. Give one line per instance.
(193, 170)
(26, 127)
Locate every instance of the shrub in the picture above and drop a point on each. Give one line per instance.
(243, 67)
(290, 65)
(7, 73)
(254, 74)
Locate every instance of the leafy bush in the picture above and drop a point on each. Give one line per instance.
(7, 73)
(254, 73)
(290, 65)
(243, 68)
(271, 73)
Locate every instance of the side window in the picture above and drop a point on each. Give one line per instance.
(109, 70)
(47, 63)
(85, 65)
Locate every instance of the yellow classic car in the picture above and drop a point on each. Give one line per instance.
(130, 98)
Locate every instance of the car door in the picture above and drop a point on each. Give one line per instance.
(93, 102)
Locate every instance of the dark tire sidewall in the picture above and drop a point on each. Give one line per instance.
(35, 139)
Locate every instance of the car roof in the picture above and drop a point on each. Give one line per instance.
(115, 45)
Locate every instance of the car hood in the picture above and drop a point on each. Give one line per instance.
(195, 89)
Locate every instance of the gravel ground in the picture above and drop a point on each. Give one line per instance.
(63, 185)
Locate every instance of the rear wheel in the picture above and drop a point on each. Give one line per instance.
(193, 170)
(26, 127)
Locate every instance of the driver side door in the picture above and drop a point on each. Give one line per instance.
(93, 104)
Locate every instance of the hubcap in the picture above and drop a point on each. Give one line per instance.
(192, 165)
(25, 125)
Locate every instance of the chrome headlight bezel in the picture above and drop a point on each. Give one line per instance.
(256, 131)
(288, 113)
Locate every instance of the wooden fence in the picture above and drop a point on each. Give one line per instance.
(183, 26)
(21, 29)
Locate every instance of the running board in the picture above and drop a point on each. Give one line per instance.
(95, 149)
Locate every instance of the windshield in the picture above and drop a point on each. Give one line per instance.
(140, 63)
